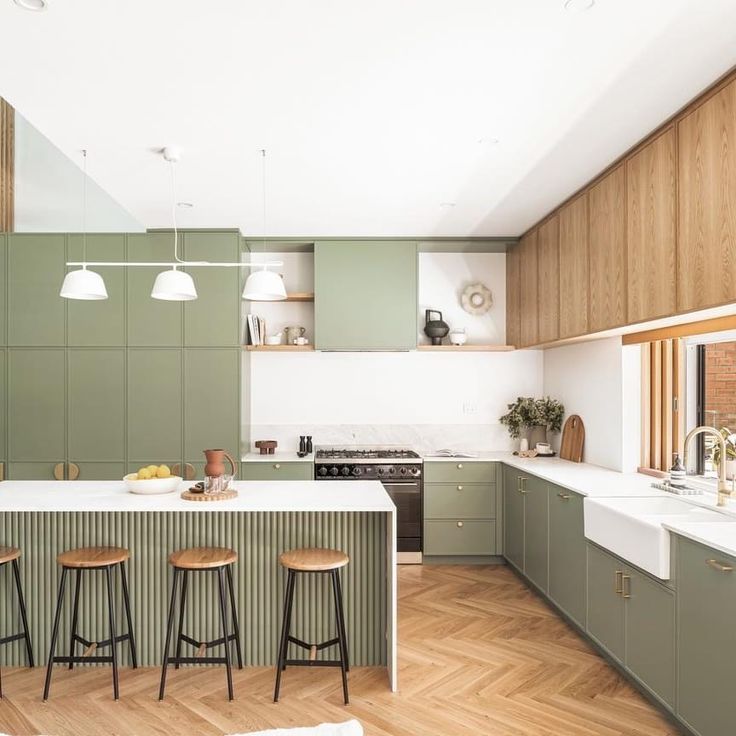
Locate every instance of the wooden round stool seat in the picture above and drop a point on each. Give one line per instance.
(86, 557)
(313, 559)
(203, 558)
(8, 554)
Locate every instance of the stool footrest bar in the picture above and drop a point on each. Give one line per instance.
(12, 637)
(319, 647)
(313, 663)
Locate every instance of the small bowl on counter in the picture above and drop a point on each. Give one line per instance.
(152, 486)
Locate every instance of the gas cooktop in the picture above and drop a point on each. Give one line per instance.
(365, 453)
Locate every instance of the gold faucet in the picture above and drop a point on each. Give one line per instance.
(723, 490)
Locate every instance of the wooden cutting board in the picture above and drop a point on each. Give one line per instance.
(573, 439)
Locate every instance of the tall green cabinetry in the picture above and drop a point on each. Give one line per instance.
(101, 387)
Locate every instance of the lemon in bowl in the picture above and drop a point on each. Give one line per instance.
(151, 480)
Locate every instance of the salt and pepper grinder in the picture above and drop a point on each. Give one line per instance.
(302, 445)
(309, 449)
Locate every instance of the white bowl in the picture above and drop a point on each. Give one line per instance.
(152, 486)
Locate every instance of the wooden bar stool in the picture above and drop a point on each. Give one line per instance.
(203, 559)
(321, 561)
(88, 559)
(11, 555)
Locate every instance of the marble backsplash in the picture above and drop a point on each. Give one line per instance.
(423, 438)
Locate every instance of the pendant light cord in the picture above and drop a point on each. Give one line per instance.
(84, 210)
(173, 214)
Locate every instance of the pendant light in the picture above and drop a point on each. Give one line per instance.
(83, 284)
(264, 285)
(174, 285)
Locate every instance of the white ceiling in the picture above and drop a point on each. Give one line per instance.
(371, 110)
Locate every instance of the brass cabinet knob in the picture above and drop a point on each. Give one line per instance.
(460, 524)
(459, 488)
(459, 466)
(564, 496)
(276, 466)
(720, 566)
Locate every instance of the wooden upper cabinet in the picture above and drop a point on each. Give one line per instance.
(548, 279)
(512, 296)
(706, 268)
(651, 192)
(528, 325)
(574, 267)
(607, 243)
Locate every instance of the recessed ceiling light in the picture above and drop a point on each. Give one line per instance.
(34, 5)
(579, 5)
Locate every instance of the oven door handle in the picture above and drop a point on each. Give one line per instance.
(403, 487)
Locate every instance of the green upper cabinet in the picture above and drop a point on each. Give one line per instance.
(96, 404)
(36, 405)
(36, 269)
(211, 401)
(99, 323)
(214, 317)
(365, 295)
(154, 406)
(151, 322)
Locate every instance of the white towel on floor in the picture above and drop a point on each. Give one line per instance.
(349, 728)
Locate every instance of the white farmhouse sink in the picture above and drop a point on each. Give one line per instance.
(632, 527)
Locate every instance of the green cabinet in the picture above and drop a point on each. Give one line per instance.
(213, 318)
(3, 403)
(536, 516)
(36, 405)
(96, 405)
(276, 470)
(365, 295)
(471, 537)
(567, 566)
(605, 601)
(99, 323)
(513, 518)
(151, 322)
(154, 406)
(706, 608)
(211, 401)
(459, 501)
(451, 471)
(36, 269)
(3, 288)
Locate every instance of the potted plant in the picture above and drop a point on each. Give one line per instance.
(533, 418)
(730, 440)
(549, 418)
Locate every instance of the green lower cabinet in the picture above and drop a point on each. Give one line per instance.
(101, 471)
(536, 519)
(466, 537)
(459, 501)
(446, 471)
(513, 518)
(706, 612)
(605, 602)
(567, 566)
(276, 470)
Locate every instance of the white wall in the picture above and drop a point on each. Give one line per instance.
(589, 379)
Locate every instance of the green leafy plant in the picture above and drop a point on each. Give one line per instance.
(730, 439)
(527, 412)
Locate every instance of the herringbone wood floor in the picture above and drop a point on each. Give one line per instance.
(479, 654)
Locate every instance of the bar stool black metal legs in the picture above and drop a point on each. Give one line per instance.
(203, 559)
(11, 555)
(322, 561)
(84, 560)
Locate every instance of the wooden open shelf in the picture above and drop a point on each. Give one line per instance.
(300, 296)
(279, 348)
(468, 348)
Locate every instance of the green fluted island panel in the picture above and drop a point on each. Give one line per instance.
(259, 580)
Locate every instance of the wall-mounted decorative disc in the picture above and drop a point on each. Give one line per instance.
(476, 298)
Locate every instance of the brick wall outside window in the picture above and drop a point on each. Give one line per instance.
(720, 385)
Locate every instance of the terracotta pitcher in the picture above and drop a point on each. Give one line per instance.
(215, 463)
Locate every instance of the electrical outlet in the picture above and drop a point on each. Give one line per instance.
(470, 407)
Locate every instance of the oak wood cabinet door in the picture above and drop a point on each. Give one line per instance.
(548, 279)
(574, 267)
(528, 305)
(706, 268)
(651, 232)
(513, 288)
(607, 239)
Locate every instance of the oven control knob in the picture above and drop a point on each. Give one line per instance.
(391, 470)
(345, 470)
(322, 470)
(403, 470)
(381, 471)
(357, 471)
(334, 470)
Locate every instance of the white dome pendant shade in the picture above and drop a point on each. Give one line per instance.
(83, 284)
(264, 286)
(174, 286)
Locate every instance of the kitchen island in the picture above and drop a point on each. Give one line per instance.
(44, 518)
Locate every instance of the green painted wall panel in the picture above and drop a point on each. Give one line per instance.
(36, 404)
(99, 323)
(258, 538)
(36, 312)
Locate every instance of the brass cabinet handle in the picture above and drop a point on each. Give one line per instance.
(73, 472)
(276, 466)
(626, 586)
(522, 488)
(459, 466)
(187, 472)
(720, 566)
(460, 524)
(459, 488)
(564, 496)
(2, 471)
(619, 586)
(59, 471)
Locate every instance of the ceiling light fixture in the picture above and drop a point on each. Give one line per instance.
(579, 5)
(83, 284)
(33, 5)
(264, 285)
(173, 284)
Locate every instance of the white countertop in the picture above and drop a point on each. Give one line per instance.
(277, 457)
(720, 536)
(292, 495)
